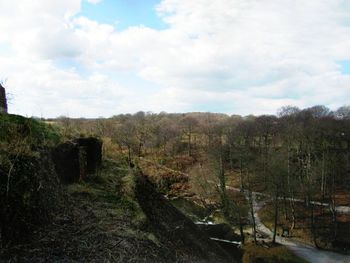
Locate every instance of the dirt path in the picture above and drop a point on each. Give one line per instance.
(339, 209)
(302, 250)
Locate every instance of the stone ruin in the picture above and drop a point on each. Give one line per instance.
(3, 101)
(66, 160)
(90, 150)
(77, 160)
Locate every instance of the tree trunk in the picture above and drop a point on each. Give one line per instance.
(313, 226)
(222, 185)
(189, 144)
(241, 228)
(129, 156)
(275, 218)
(333, 211)
(293, 215)
(241, 173)
(285, 207)
(251, 206)
(291, 192)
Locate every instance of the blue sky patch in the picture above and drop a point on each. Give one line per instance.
(71, 64)
(124, 13)
(344, 66)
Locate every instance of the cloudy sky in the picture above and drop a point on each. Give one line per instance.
(104, 57)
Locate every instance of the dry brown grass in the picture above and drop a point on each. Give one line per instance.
(258, 254)
(303, 230)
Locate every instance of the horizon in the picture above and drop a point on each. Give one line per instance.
(100, 58)
(328, 113)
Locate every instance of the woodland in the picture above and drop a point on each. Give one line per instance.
(211, 187)
(299, 158)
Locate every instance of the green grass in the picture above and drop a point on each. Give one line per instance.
(112, 188)
(18, 127)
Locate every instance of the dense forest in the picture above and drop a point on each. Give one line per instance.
(296, 155)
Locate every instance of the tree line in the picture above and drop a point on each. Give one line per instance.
(295, 154)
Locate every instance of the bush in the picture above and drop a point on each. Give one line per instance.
(28, 182)
(29, 195)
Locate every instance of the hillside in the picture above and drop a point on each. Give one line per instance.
(171, 188)
(115, 215)
(103, 221)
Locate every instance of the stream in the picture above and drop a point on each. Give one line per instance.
(220, 233)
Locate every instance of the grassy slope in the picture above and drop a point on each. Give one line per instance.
(14, 127)
(100, 222)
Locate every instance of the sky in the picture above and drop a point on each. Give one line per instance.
(99, 58)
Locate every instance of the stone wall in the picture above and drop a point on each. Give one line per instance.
(77, 160)
(91, 152)
(67, 163)
(3, 101)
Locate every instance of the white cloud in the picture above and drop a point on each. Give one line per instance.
(94, 2)
(239, 56)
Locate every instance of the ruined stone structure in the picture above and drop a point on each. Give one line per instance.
(91, 149)
(77, 160)
(3, 101)
(67, 163)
